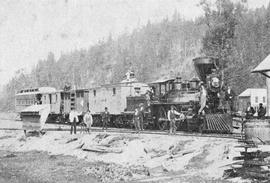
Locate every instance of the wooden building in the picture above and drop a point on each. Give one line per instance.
(253, 95)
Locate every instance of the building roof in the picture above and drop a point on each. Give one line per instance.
(263, 67)
(252, 91)
(162, 80)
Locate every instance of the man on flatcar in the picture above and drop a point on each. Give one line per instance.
(172, 113)
(105, 119)
(249, 111)
(261, 111)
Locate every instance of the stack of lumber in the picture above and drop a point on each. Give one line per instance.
(252, 163)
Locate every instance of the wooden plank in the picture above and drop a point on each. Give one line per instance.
(238, 158)
(100, 149)
(258, 154)
(246, 141)
(257, 175)
(256, 163)
(246, 146)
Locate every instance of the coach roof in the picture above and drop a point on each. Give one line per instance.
(41, 90)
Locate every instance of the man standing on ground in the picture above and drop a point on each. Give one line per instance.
(137, 120)
(88, 120)
(141, 114)
(105, 119)
(73, 119)
(172, 113)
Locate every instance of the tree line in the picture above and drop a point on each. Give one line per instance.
(237, 35)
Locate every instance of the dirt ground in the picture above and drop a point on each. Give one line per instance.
(40, 167)
(110, 157)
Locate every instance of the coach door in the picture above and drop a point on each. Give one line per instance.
(55, 101)
(65, 102)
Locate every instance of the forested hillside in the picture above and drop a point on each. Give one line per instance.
(153, 51)
(238, 36)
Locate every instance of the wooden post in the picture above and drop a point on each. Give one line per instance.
(268, 94)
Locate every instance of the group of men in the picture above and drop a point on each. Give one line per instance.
(250, 111)
(226, 98)
(87, 120)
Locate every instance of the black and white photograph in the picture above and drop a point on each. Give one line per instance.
(134, 91)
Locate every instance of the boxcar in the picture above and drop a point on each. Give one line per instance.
(115, 98)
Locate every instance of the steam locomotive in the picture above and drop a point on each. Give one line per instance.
(122, 99)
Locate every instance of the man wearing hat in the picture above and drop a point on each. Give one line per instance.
(141, 115)
(261, 111)
(105, 119)
(136, 120)
(172, 113)
(229, 97)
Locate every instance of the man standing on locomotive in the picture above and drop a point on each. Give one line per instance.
(203, 97)
(229, 97)
(105, 119)
(172, 113)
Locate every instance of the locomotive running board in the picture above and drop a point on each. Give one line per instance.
(217, 123)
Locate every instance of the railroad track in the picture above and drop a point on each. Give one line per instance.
(130, 131)
(65, 127)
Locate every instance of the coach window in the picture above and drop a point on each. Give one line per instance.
(256, 99)
(114, 91)
(94, 93)
(263, 99)
(54, 98)
(137, 90)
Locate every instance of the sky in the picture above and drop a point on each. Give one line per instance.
(30, 29)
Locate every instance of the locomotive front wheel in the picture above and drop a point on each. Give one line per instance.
(162, 119)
